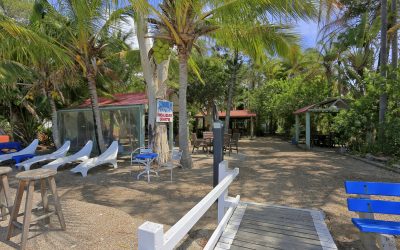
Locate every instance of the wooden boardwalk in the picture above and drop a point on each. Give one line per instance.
(261, 226)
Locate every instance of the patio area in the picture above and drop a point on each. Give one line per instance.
(109, 205)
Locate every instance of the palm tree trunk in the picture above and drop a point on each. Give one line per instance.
(232, 85)
(12, 117)
(383, 66)
(395, 37)
(156, 88)
(98, 132)
(54, 121)
(161, 145)
(183, 55)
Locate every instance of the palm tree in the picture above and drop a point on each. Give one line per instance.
(234, 66)
(23, 48)
(90, 25)
(243, 24)
(383, 58)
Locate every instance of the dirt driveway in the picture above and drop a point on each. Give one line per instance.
(110, 203)
(276, 172)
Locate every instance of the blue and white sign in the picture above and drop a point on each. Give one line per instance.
(165, 111)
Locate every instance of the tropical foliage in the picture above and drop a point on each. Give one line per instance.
(236, 54)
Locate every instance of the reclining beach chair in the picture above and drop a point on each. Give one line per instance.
(81, 155)
(109, 156)
(61, 152)
(28, 150)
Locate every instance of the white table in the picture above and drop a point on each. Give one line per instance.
(148, 159)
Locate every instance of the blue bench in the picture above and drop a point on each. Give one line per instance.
(367, 207)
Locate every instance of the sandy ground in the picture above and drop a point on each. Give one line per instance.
(104, 210)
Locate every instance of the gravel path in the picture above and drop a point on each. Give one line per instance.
(103, 210)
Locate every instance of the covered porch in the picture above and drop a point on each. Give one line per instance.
(331, 105)
(241, 121)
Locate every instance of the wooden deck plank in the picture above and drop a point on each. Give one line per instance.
(263, 226)
(268, 224)
(282, 237)
(275, 223)
(278, 219)
(274, 242)
(263, 229)
(248, 245)
(287, 212)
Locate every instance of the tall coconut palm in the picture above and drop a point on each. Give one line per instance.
(243, 24)
(90, 25)
(234, 66)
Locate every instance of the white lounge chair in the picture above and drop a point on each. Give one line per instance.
(173, 162)
(28, 150)
(81, 155)
(109, 156)
(61, 152)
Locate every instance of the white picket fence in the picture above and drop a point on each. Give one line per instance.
(151, 235)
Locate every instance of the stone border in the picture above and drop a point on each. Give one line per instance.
(376, 164)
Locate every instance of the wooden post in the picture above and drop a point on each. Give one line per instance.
(251, 128)
(171, 136)
(308, 131)
(151, 236)
(223, 172)
(297, 129)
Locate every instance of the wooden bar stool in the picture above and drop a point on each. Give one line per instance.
(28, 178)
(5, 198)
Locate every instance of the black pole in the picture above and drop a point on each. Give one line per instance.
(218, 134)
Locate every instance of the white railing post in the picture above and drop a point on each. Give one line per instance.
(222, 173)
(151, 236)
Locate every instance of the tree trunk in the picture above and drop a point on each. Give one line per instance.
(98, 132)
(31, 110)
(183, 55)
(54, 121)
(161, 145)
(383, 66)
(395, 37)
(12, 117)
(232, 85)
(155, 77)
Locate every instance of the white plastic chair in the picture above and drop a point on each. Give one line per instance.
(81, 155)
(173, 162)
(141, 150)
(109, 156)
(28, 150)
(61, 152)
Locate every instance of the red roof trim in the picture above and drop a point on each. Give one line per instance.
(303, 110)
(124, 99)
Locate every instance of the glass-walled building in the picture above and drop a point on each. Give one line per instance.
(122, 119)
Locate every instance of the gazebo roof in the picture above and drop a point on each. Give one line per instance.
(234, 114)
(331, 105)
(124, 99)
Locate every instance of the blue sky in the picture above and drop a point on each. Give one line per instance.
(308, 34)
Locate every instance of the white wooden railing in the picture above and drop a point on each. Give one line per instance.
(151, 235)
